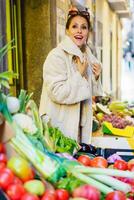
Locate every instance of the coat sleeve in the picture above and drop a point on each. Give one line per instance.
(63, 88)
(96, 87)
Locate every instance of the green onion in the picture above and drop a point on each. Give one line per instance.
(113, 182)
(24, 98)
(106, 171)
(102, 187)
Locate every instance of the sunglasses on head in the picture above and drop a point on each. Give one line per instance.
(77, 12)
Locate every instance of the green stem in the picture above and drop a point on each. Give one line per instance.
(105, 171)
(103, 188)
(113, 182)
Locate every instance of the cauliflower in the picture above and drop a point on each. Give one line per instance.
(25, 122)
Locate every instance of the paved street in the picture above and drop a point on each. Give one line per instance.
(127, 83)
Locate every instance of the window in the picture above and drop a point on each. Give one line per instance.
(10, 29)
(3, 63)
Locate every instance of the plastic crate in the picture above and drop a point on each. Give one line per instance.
(3, 196)
(125, 154)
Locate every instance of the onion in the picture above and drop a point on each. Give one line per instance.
(113, 158)
(13, 104)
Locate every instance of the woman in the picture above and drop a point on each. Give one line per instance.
(71, 76)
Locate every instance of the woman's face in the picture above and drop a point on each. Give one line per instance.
(78, 30)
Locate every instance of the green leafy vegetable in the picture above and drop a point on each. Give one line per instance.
(69, 183)
(61, 142)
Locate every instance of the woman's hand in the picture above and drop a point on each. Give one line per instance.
(81, 67)
(96, 68)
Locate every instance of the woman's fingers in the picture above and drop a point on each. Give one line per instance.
(96, 68)
(81, 66)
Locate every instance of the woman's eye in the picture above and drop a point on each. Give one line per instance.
(84, 27)
(74, 26)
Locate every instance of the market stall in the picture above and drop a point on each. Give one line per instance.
(115, 130)
(37, 161)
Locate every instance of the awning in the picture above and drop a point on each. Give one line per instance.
(124, 14)
(121, 7)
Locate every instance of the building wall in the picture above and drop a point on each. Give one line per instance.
(106, 47)
(43, 27)
(108, 44)
(120, 54)
(114, 53)
(38, 32)
(112, 48)
(62, 7)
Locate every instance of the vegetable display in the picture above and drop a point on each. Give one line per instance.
(37, 143)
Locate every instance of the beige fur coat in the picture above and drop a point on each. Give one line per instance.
(64, 88)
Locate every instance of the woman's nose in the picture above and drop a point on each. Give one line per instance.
(79, 30)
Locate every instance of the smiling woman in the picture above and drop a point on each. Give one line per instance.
(78, 30)
(71, 76)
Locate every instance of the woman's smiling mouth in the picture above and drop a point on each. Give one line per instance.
(79, 37)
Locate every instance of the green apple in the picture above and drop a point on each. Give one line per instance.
(35, 187)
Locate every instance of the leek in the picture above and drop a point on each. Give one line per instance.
(102, 187)
(113, 182)
(24, 99)
(45, 165)
(105, 171)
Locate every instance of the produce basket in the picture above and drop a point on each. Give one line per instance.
(3, 195)
(108, 144)
(125, 154)
(107, 128)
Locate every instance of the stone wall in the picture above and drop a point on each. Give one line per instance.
(38, 37)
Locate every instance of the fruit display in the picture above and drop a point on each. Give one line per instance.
(96, 125)
(115, 118)
(121, 108)
(117, 121)
(103, 109)
(108, 128)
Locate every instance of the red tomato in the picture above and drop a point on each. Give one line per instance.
(62, 194)
(17, 180)
(130, 165)
(6, 178)
(28, 196)
(130, 196)
(116, 195)
(49, 195)
(2, 148)
(2, 165)
(15, 191)
(99, 162)
(120, 164)
(84, 159)
(3, 157)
